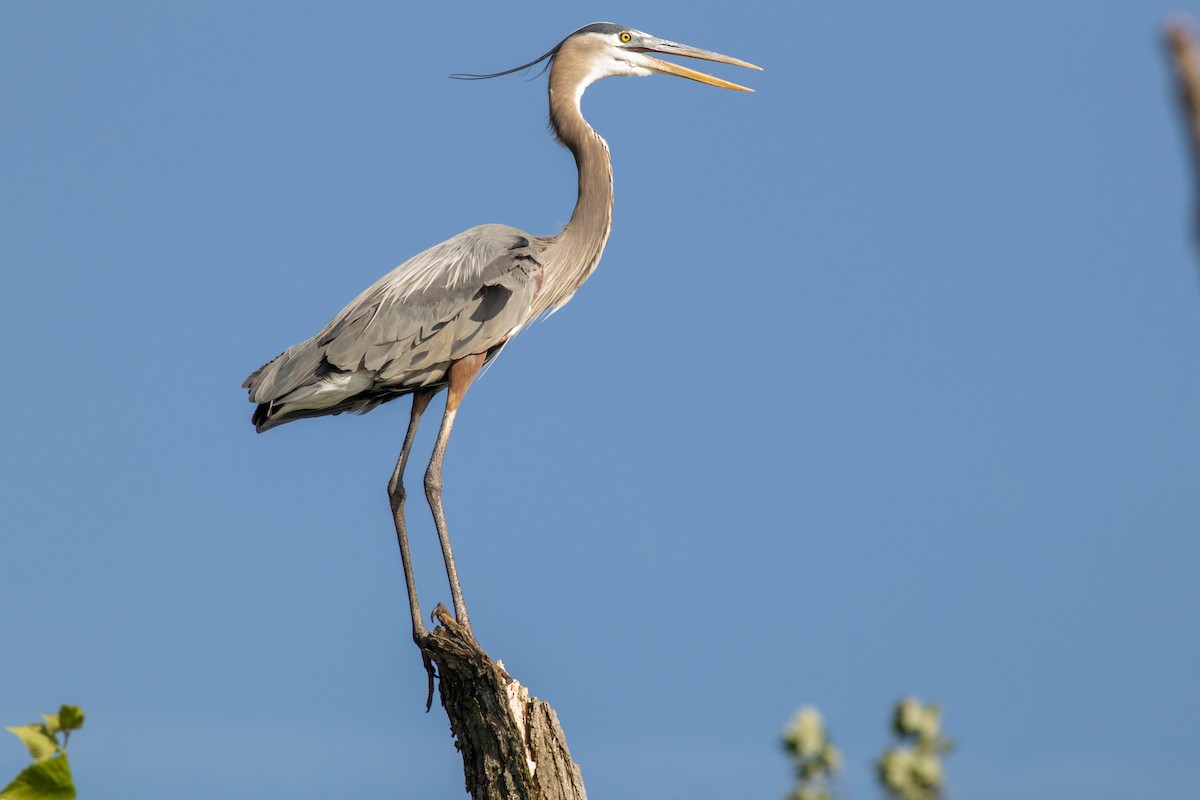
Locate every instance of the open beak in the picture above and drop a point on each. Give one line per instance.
(675, 49)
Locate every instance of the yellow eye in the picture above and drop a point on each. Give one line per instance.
(625, 37)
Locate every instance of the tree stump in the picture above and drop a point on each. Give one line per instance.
(512, 746)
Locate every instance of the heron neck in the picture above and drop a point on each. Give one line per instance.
(576, 251)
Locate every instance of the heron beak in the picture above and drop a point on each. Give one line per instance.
(674, 48)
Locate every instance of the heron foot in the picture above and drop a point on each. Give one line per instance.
(442, 616)
(428, 662)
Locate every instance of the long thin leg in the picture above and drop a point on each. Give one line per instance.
(396, 495)
(462, 372)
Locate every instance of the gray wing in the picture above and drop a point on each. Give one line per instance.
(465, 296)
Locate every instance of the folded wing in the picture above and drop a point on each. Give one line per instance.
(465, 296)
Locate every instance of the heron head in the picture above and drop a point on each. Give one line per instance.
(604, 50)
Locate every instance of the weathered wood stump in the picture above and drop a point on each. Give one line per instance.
(512, 746)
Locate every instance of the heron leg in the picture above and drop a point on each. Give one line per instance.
(461, 374)
(396, 495)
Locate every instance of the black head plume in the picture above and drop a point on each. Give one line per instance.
(466, 76)
(595, 27)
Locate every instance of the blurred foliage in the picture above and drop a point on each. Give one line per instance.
(912, 768)
(49, 776)
(909, 770)
(814, 757)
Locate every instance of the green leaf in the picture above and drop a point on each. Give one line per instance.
(52, 724)
(37, 740)
(45, 780)
(70, 718)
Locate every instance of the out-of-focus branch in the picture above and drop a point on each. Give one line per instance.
(1185, 57)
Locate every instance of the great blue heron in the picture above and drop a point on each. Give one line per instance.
(433, 322)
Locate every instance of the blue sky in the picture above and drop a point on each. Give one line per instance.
(888, 384)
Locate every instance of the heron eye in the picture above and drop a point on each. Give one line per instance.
(625, 37)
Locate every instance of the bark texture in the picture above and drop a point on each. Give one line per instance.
(512, 746)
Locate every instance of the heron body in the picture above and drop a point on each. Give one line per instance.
(463, 297)
(435, 320)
